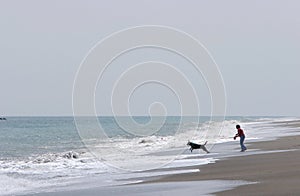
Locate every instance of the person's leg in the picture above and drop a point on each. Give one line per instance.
(243, 147)
(241, 142)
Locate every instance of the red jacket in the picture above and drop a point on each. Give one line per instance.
(240, 133)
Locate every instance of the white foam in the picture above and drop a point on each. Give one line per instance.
(142, 153)
(44, 171)
(135, 153)
(189, 162)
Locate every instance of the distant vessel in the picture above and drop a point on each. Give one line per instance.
(2, 118)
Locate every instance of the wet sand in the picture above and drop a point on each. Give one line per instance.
(275, 173)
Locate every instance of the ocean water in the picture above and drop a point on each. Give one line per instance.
(40, 153)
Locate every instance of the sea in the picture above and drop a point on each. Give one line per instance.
(40, 154)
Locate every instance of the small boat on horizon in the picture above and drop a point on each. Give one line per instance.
(2, 118)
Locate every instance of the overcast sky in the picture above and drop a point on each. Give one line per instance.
(256, 45)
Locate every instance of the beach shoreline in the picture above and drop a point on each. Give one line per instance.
(274, 173)
(270, 166)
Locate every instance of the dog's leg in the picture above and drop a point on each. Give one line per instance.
(191, 149)
(204, 148)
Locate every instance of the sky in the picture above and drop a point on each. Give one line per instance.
(255, 44)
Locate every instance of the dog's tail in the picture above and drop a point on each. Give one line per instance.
(205, 143)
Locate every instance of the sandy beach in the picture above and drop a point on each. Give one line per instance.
(274, 173)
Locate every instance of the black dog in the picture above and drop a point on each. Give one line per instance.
(197, 146)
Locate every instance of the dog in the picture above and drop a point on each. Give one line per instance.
(197, 146)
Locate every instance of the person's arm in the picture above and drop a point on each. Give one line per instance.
(236, 135)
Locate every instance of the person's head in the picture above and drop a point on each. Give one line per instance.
(238, 126)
